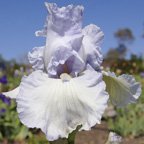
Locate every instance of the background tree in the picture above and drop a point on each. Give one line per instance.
(123, 36)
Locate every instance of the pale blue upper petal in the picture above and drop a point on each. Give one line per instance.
(35, 58)
(64, 20)
(63, 39)
(91, 51)
(64, 56)
(67, 43)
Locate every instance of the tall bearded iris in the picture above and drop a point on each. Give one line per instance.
(67, 87)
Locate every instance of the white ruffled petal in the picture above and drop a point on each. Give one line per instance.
(35, 58)
(58, 106)
(92, 40)
(12, 94)
(122, 89)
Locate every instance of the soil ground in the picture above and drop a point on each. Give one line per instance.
(99, 135)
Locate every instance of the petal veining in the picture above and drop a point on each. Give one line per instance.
(58, 107)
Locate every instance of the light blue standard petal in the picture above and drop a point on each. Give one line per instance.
(63, 39)
(69, 58)
(64, 20)
(122, 89)
(35, 58)
(91, 43)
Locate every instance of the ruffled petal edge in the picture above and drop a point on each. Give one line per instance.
(122, 89)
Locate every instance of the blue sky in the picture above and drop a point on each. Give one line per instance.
(19, 19)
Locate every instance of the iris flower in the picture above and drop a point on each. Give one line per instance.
(3, 79)
(5, 99)
(67, 87)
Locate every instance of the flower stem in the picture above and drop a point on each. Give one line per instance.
(71, 140)
(71, 137)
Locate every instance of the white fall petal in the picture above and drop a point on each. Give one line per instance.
(57, 106)
(122, 89)
(13, 93)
